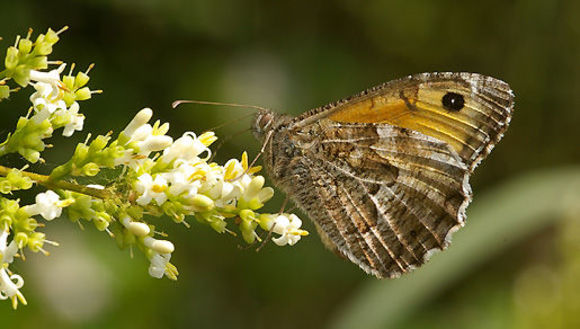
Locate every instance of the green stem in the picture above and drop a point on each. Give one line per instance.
(59, 184)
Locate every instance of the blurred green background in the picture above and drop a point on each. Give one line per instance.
(515, 265)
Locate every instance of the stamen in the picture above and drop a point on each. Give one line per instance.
(53, 243)
(90, 68)
(64, 28)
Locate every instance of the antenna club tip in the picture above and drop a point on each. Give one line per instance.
(176, 104)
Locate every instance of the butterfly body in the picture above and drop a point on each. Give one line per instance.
(384, 174)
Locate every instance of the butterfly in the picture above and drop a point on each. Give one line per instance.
(384, 174)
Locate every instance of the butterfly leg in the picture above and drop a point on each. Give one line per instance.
(267, 238)
(262, 150)
(284, 203)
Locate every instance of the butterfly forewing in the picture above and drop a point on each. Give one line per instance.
(416, 103)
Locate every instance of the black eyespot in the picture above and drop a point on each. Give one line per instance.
(453, 102)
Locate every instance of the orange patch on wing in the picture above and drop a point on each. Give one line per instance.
(407, 113)
(370, 111)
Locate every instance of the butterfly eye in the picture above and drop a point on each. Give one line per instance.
(453, 101)
(264, 121)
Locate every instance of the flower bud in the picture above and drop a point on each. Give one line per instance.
(248, 230)
(21, 75)
(4, 92)
(6, 219)
(139, 228)
(11, 58)
(247, 215)
(36, 241)
(25, 46)
(30, 155)
(254, 187)
(51, 36)
(43, 49)
(219, 225)
(83, 94)
(38, 63)
(141, 118)
(81, 79)
(21, 239)
(91, 169)
(68, 81)
(160, 246)
(5, 186)
(266, 194)
(101, 220)
(201, 203)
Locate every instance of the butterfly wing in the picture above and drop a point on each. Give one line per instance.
(383, 196)
(421, 103)
(384, 174)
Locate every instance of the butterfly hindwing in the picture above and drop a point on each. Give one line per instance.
(368, 180)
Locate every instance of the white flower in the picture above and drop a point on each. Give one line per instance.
(47, 98)
(162, 250)
(49, 93)
(230, 186)
(224, 192)
(47, 205)
(76, 120)
(142, 132)
(254, 189)
(187, 147)
(51, 77)
(153, 143)
(148, 140)
(158, 265)
(150, 188)
(142, 139)
(135, 158)
(141, 118)
(288, 226)
(185, 178)
(7, 251)
(234, 169)
(9, 287)
(9, 284)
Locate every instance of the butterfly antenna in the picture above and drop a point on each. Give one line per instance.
(221, 125)
(193, 101)
(176, 103)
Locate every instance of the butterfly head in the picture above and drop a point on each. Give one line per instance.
(263, 122)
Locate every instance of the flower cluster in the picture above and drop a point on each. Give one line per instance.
(54, 102)
(155, 175)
